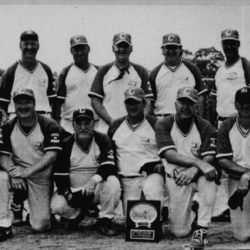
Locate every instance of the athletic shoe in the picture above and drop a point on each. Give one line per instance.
(199, 239)
(106, 226)
(5, 233)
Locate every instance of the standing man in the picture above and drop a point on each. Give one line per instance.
(85, 173)
(186, 144)
(73, 83)
(173, 74)
(233, 74)
(28, 73)
(113, 79)
(29, 147)
(133, 138)
(233, 155)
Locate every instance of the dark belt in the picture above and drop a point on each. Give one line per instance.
(222, 119)
(129, 176)
(163, 115)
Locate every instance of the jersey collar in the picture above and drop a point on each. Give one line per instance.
(30, 71)
(190, 128)
(243, 133)
(138, 125)
(78, 145)
(173, 69)
(32, 128)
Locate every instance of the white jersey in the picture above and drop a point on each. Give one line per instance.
(197, 142)
(40, 80)
(233, 142)
(73, 86)
(227, 81)
(134, 146)
(166, 81)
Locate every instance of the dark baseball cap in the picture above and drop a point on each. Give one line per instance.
(29, 35)
(187, 92)
(243, 95)
(78, 40)
(134, 93)
(171, 39)
(122, 37)
(82, 112)
(23, 92)
(230, 34)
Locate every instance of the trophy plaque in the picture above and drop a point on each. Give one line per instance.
(143, 221)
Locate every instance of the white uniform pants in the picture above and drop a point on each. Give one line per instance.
(151, 187)
(180, 202)
(240, 220)
(107, 194)
(39, 196)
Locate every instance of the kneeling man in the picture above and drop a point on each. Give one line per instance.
(85, 173)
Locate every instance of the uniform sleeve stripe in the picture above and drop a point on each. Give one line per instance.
(149, 95)
(61, 173)
(107, 163)
(213, 93)
(166, 148)
(4, 100)
(52, 148)
(224, 155)
(61, 97)
(50, 96)
(208, 153)
(5, 152)
(203, 91)
(95, 94)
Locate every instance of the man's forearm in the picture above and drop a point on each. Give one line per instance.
(100, 110)
(45, 162)
(232, 168)
(6, 162)
(148, 109)
(172, 156)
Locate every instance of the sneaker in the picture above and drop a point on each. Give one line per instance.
(5, 233)
(199, 239)
(224, 217)
(17, 210)
(106, 226)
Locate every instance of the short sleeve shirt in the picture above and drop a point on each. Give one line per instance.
(40, 80)
(198, 142)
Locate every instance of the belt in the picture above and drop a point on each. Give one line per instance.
(129, 176)
(163, 115)
(220, 118)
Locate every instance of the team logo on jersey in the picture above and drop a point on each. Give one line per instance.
(212, 142)
(55, 138)
(183, 79)
(195, 149)
(42, 81)
(149, 86)
(132, 84)
(232, 76)
(228, 32)
(97, 159)
(171, 38)
(110, 155)
(38, 145)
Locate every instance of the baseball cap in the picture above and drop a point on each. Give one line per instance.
(78, 40)
(134, 93)
(122, 37)
(82, 112)
(243, 95)
(230, 34)
(23, 92)
(171, 39)
(29, 35)
(187, 92)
